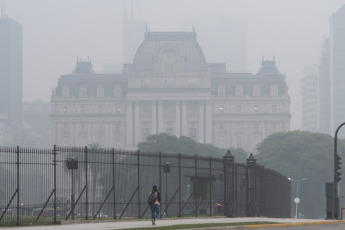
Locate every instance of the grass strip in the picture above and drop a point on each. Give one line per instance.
(189, 226)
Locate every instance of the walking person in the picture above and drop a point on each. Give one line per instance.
(154, 202)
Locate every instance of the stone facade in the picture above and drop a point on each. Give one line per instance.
(169, 88)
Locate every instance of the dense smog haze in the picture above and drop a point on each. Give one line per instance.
(56, 33)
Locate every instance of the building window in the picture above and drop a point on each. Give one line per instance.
(145, 108)
(100, 109)
(256, 108)
(169, 131)
(117, 109)
(83, 109)
(169, 60)
(221, 125)
(239, 142)
(275, 126)
(64, 109)
(100, 91)
(117, 91)
(82, 91)
(239, 108)
(65, 91)
(146, 133)
(239, 91)
(256, 91)
(274, 108)
(83, 127)
(256, 127)
(221, 91)
(221, 141)
(193, 133)
(274, 90)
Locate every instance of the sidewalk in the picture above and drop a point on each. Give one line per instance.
(123, 224)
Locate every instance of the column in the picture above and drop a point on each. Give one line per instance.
(160, 118)
(209, 123)
(56, 139)
(177, 130)
(129, 125)
(137, 130)
(201, 130)
(153, 118)
(229, 135)
(184, 119)
(74, 136)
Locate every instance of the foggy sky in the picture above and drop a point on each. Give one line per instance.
(55, 32)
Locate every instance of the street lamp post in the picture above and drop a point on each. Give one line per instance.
(166, 168)
(297, 199)
(337, 163)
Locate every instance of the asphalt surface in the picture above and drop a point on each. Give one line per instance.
(123, 224)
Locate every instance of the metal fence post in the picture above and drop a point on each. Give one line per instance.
(179, 185)
(210, 164)
(250, 186)
(228, 161)
(160, 179)
(18, 189)
(196, 185)
(87, 190)
(54, 165)
(139, 191)
(114, 183)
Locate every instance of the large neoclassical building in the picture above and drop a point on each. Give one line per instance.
(169, 88)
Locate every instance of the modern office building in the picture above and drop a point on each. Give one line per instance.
(337, 69)
(36, 124)
(11, 77)
(133, 29)
(224, 39)
(310, 98)
(169, 88)
(324, 88)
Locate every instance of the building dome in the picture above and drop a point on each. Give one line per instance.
(268, 67)
(83, 67)
(169, 52)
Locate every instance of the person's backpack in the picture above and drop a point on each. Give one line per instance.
(152, 198)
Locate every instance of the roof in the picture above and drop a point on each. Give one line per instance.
(268, 67)
(176, 51)
(83, 67)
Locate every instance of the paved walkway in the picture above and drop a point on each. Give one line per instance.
(123, 224)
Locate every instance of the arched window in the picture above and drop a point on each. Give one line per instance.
(256, 91)
(65, 91)
(239, 91)
(100, 91)
(274, 91)
(221, 91)
(82, 91)
(117, 91)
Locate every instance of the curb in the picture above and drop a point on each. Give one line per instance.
(294, 224)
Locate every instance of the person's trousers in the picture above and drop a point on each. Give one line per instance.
(154, 211)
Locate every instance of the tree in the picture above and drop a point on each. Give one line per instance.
(300, 154)
(171, 144)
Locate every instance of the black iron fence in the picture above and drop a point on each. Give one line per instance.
(68, 183)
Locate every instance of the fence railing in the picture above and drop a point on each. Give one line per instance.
(68, 183)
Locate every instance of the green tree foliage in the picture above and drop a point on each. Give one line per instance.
(171, 144)
(299, 155)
